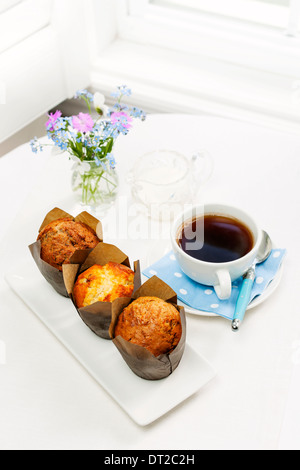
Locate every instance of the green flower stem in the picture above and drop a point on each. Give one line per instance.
(111, 183)
(91, 190)
(88, 104)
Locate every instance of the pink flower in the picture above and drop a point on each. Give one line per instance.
(52, 120)
(83, 122)
(121, 120)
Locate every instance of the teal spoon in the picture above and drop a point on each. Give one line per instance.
(249, 278)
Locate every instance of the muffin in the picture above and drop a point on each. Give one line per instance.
(103, 284)
(62, 237)
(152, 323)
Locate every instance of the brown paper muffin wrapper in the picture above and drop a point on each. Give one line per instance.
(53, 275)
(98, 316)
(141, 361)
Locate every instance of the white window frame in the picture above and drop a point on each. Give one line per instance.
(254, 11)
(176, 61)
(269, 49)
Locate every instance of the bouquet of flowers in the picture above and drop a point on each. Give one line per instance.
(89, 142)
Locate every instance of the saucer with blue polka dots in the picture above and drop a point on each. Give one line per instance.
(202, 300)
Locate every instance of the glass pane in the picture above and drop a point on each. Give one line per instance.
(268, 12)
(285, 3)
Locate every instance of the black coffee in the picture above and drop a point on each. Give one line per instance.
(216, 239)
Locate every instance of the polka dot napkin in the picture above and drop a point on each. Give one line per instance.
(204, 298)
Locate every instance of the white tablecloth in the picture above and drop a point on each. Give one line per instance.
(49, 401)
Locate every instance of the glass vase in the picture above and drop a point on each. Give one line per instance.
(95, 186)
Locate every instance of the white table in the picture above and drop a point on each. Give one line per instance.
(49, 401)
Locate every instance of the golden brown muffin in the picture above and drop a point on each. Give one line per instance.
(61, 238)
(103, 284)
(152, 323)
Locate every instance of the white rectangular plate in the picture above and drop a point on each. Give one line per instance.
(151, 399)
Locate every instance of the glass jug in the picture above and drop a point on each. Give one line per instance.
(164, 181)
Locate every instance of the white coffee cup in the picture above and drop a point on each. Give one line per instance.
(218, 275)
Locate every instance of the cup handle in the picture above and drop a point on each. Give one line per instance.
(223, 289)
(203, 166)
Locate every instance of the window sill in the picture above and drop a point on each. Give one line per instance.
(168, 81)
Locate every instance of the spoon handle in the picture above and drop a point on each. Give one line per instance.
(243, 299)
